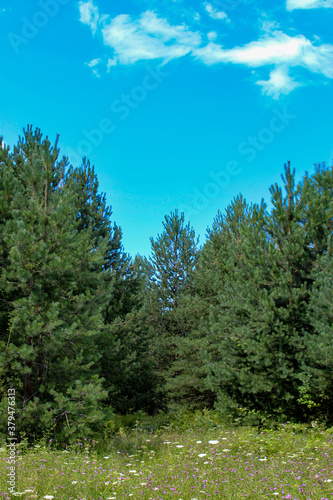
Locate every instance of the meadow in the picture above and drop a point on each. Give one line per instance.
(184, 463)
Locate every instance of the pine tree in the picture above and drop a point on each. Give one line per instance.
(317, 191)
(52, 275)
(215, 264)
(174, 254)
(261, 324)
(318, 393)
(173, 259)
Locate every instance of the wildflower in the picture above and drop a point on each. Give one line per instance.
(202, 455)
(327, 480)
(106, 457)
(74, 482)
(180, 446)
(198, 442)
(213, 441)
(225, 450)
(49, 497)
(132, 471)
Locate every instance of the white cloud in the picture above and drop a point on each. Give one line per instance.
(277, 48)
(309, 4)
(270, 49)
(269, 26)
(93, 65)
(213, 13)
(148, 37)
(279, 83)
(89, 14)
(212, 35)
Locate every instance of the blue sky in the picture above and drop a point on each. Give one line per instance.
(178, 104)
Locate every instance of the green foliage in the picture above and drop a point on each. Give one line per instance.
(239, 330)
(320, 347)
(259, 329)
(52, 292)
(64, 281)
(140, 421)
(169, 275)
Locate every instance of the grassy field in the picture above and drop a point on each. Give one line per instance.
(294, 462)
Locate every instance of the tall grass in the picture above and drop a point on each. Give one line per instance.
(175, 462)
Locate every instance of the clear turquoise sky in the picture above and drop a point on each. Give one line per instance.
(178, 104)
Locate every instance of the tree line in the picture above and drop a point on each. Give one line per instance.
(241, 324)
